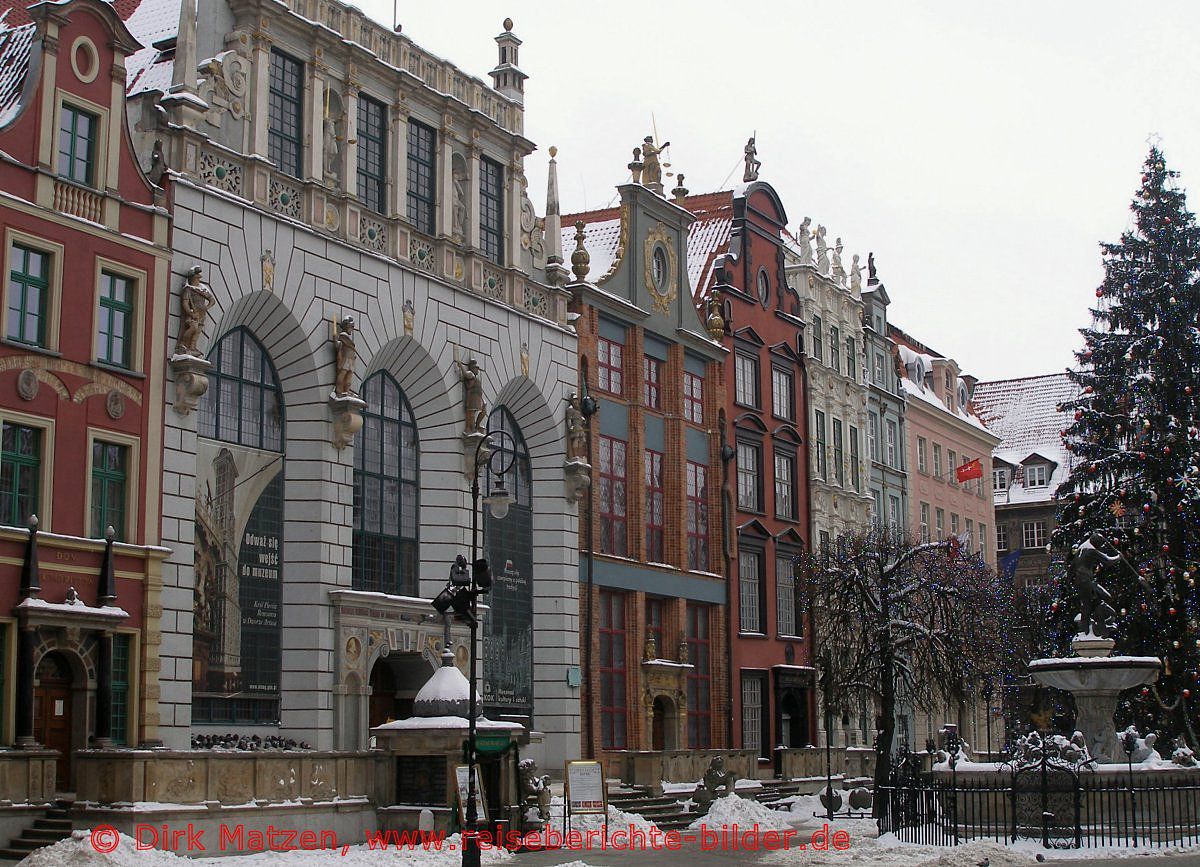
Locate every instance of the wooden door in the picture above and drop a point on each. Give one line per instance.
(382, 706)
(52, 713)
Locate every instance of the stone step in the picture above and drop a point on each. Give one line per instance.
(54, 824)
(51, 835)
(22, 844)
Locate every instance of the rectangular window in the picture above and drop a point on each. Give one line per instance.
(873, 436)
(752, 713)
(285, 98)
(785, 485)
(77, 134)
(878, 375)
(787, 617)
(1002, 537)
(693, 398)
(922, 455)
(697, 517)
(951, 466)
(1035, 476)
(940, 523)
(783, 394)
(822, 453)
(839, 455)
(612, 670)
(877, 506)
(20, 473)
(1033, 534)
(835, 348)
(953, 523)
(610, 358)
(491, 210)
(655, 510)
(699, 691)
(851, 359)
(651, 379)
(746, 380)
(119, 716)
(823, 535)
(28, 295)
(970, 528)
(422, 176)
(894, 511)
(924, 522)
(818, 344)
(613, 528)
(749, 471)
(115, 337)
(372, 153)
(855, 473)
(983, 540)
(750, 591)
(110, 475)
(893, 452)
(937, 461)
(654, 622)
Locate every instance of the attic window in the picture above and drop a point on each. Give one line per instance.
(1000, 479)
(1036, 476)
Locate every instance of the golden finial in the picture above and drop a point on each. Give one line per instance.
(553, 151)
(508, 25)
(580, 260)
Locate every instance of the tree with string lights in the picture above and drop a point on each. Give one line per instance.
(1135, 479)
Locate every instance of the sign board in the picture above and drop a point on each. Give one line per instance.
(460, 780)
(492, 743)
(585, 791)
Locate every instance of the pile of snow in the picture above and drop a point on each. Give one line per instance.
(77, 851)
(878, 853)
(617, 818)
(745, 813)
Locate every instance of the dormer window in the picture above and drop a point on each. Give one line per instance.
(77, 145)
(1037, 476)
(1000, 479)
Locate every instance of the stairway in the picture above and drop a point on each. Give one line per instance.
(664, 811)
(54, 826)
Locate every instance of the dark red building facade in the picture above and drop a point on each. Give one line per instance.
(737, 247)
(82, 357)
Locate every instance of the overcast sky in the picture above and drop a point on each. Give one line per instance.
(982, 150)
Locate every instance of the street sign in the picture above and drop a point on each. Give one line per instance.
(491, 743)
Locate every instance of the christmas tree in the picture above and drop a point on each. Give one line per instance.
(1135, 442)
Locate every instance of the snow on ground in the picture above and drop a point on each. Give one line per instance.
(745, 813)
(594, 821)
(77, 851)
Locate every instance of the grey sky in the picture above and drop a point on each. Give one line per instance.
(982, 150)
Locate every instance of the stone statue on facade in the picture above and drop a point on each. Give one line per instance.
(195, 299)
(1095, 602)
(714, 322)
(855, 274)
(804, 240)
(472, 380)
(347, 357)
(330, 144)
(753, 164)
(651, 167)
(459, 214)
(822, 249)
(576, 429)
(836, 268)
(871, 276)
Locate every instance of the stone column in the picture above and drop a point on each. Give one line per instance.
(397, 162)
(26, 645)
(261, 85)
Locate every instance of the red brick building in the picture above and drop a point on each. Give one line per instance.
(86, 264)
(653, 587)
(737, 253)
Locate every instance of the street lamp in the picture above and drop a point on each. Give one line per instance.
(497, 451)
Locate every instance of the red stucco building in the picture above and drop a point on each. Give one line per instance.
(86, 264)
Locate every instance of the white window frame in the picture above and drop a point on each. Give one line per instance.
(1033, 535)
(750, 613)
(1037, 475)
(999, 479)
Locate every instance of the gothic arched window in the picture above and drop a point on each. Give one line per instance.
(386, 486)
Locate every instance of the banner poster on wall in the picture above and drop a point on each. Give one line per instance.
(238, 540)
(508, 629)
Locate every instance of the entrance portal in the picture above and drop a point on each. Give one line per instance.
(52, 717)
(664, 725)
(793, 721)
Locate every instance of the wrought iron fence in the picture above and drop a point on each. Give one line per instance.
(1060, 808)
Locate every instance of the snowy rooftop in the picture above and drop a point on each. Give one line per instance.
(708, 236)
(917, 365)
(1024, 414)
(15, 42)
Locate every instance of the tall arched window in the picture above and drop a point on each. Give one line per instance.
(508, 545)
(386, 485)
(238, 537)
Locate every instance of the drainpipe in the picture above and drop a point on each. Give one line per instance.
(588, 408)
(727, 453)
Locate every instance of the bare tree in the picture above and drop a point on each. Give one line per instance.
(928, 621)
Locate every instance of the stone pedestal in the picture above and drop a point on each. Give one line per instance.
(471, 441)
(578, 476)
(191, 381)
(347, 418)
(1096, 680)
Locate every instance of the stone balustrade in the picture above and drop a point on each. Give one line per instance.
(652, 767)
(27, 776)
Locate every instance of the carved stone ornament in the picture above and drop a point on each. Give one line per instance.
(410, 316)
(225, 83)
(191, 381)
(347, 357)
(114, 404)
(660, 273)
(268, 270)
(27, 384)
(195, 299)
(347, 418)
(524, 358)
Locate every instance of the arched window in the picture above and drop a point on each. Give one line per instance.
(508, 545)
(238, 537)
(386, 485)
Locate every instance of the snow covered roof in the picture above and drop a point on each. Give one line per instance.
(15, 45)
(708, 236)
(916, 365)
(151, 21)
(446, 693)
(1024, 414)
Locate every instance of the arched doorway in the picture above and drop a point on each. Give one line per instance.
(53, 717)
(793, 720)
(383, 694)
(664, 725)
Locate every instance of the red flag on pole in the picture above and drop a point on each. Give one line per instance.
(969, 470)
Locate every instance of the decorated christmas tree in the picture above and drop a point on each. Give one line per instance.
(1135, 478)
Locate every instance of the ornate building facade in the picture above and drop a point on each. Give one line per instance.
(81, 391)
(359, 293)
(737, 250)
(885, 408)
(652, 580)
